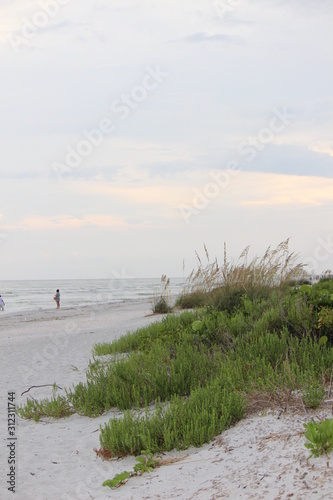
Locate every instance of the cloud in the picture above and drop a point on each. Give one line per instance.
(273, 190)
(290, 160)
(322, 147)
(227, 75)
(203, 37)
(166, 195)
(64, 25)
(67, 222)
(157, 192)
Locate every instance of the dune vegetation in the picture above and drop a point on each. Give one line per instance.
(256, 335)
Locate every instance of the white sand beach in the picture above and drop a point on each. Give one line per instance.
(262, 457)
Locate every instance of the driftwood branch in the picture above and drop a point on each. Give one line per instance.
(44, 385)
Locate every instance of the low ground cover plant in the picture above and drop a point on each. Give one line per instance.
(56, 407)
(177, 424)
(170, 329)
(320, 437)
(145, 463)
(137, 380)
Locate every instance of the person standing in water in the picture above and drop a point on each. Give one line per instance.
(57, 298)
(2, 304)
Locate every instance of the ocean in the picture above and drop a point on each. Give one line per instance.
(38, 294)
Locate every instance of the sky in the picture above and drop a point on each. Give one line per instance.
(133, 132)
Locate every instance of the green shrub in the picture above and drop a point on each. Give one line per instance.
(161, 306)
(319, 294)
(56, 407)
(162, 302)
(191, 300)
(118, 480)
(313, 395)
(179, 424)
(145, 463)
(320, 435)
(137, 380)
(226, 298)
(170, 329)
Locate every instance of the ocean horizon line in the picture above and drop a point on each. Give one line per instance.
(95, 279)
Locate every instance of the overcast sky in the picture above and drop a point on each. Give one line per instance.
(134, 131)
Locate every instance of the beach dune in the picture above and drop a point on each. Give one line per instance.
(263, 456)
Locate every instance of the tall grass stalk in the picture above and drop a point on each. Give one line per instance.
(223, 284)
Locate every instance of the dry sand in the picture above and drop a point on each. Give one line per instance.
(262, 457)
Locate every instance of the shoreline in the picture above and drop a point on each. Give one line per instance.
(36, 295)
(91, 306)
(262, 457)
